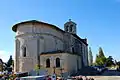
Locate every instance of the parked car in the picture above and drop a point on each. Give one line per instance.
(99, 68)
(118, 69)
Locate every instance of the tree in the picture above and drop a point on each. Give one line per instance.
(1, 65)
(115, 62)
(101, 54)
(109, 61)
(13, 63)
(90, 57)
(37, 67)
(100, 58)
(10, 61)
(9, 64)
(97, 61)
(118, 64)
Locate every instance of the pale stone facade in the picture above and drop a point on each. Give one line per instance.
(68, 62)
(36, 41)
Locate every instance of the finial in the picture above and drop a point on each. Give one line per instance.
(69, 20)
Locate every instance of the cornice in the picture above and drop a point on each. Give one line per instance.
(37, 35)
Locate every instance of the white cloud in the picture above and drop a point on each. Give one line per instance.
(5, 55)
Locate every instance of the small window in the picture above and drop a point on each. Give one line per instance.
(71, 25)
(66, 28)
(47, 63)
(73, 50)
(57, 62)
(24, 51)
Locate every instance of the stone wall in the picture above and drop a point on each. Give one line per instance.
(67, 61)
(37, 38)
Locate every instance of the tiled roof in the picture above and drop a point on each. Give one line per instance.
(14, 28)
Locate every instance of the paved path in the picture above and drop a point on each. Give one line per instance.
(111, 73)
(105, 77)
(108, 75)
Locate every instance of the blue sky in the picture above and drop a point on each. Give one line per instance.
(97, 20)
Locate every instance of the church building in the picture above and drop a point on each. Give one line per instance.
(54, 49)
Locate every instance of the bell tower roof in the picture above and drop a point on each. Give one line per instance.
(70, 22)
(70, 26)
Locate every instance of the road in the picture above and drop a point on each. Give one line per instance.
(111, 73)
(105, 77)
(108, 75)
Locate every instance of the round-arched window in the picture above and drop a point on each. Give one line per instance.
(24, 51)
(47, 63)
(57, 62)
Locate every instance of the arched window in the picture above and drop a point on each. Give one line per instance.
(57, 62)
(71, 26)
(47, 63)
(24, 51)
(73, 50)
(66, 28)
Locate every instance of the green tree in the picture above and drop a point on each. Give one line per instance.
(100, 58)
(1, 65)
(37, 67)
(8, 65)
(97, 61)
(109, 61)
(101, 53)
(90, 57)
(10, 61)
(118, 64)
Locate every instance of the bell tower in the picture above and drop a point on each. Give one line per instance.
(70, 26)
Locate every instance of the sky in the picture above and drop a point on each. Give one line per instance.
(97, 20)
